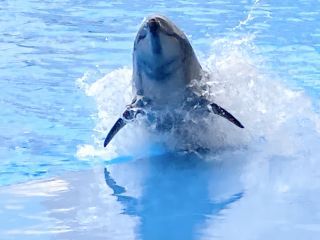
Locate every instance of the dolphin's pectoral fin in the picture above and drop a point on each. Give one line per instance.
(120, 123)
(128, 115)
(224, 113)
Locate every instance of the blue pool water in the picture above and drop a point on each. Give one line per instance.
(65, 71)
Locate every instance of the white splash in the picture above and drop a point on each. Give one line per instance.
(269, 110)
(112, 93)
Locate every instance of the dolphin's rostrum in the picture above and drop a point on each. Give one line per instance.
(164, 64)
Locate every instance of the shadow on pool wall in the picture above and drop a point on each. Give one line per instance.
(175, 195)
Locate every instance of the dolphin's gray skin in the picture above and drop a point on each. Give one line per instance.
(164, 64)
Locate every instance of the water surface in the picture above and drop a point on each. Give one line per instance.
(65, 77)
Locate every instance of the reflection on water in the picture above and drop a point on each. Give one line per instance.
(177, 195)
(164, 197)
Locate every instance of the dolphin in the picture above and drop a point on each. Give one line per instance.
(164, 65)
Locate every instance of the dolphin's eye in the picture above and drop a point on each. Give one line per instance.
(142, 34)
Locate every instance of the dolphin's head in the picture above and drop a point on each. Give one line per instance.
(164, 62)
(161, 49)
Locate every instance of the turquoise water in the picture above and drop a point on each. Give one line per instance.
(64, 76)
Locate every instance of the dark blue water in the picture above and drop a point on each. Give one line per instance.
(65, 70)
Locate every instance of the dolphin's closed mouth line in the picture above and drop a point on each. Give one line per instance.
(176, 36)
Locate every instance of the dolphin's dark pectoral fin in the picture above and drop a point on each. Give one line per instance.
(128, 115)
(120, 123)
(224, 113)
